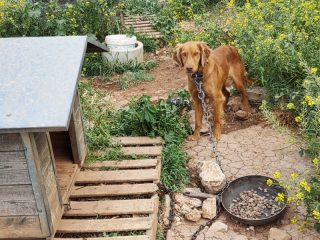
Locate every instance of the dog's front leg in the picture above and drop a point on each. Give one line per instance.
(217, 100)
(198, 117)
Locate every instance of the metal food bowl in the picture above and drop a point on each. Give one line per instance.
(254, 182)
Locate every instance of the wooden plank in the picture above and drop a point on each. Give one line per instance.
(17, 200)
(20, 227)
(110, 207)
(136, 22)
(113, 190)
(137, 141)
(37, 182)
(67, 173)
(76, 132)
(11, 142)
(103, 225)
(147, 150)
(139, 163)
(139, 237)
(117, 176)
(154, 216)
(13, 169)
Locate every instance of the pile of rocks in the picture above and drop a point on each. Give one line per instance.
(251, 205)
(193, 209)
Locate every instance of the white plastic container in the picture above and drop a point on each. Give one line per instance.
(121, 42)
(124, 55)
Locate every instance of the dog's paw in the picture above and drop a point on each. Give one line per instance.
(217, 135)
(193, 137)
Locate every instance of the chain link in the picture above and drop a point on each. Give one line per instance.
(201, 95)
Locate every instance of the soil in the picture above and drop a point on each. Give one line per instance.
(168, 77)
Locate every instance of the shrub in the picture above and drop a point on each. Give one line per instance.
(27, 18)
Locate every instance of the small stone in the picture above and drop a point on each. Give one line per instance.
(209, 208)
(243, 115)
(191, 202)
(211, 176)
(278, 234)
(235, 103)
(185, 209)
(194, 215)
(218, 227)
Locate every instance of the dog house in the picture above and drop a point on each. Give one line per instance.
(42, 140)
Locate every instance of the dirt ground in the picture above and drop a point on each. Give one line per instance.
(243, 155)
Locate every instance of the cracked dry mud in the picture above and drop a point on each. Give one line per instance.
(258, 149)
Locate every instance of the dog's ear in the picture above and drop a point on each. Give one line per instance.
(205, 53)
(177, 55)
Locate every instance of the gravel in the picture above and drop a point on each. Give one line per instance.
(250, 205)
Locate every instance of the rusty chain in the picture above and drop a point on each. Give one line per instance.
(201, 94)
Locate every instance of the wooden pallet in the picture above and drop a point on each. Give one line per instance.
(141, 26)
(116, 196)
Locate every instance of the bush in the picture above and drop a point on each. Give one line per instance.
(90, 17)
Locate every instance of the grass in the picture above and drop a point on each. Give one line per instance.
(133, 78)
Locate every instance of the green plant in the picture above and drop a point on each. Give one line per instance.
(132, 78)
(149, 44)
(94, 65)
(142, 7)
(41, 18)
(163, 119)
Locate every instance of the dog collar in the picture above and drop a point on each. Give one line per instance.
(197, 77)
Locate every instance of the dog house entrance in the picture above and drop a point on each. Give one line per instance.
(65, 167)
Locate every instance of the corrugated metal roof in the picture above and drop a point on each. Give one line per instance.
(38, 79)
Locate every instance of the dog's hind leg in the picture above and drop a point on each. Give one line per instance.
(227, 95)
(237, 74)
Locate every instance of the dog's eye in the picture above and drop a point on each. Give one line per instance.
(184, 54)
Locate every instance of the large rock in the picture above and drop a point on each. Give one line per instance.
(278, 234)
(183, 200)
(212, 178)
(256, 94)
(209, 208)
(194, 215)
(216, 228)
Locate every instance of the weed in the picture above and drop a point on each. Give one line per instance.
(163, 119)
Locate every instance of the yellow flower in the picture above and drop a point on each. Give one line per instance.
(276, 175)
(269, 182)
(315, 161)
(305, 185)
(316, 214)
(293, 220)
(290, 106)
(313, 70)
(311, 102)
(293, 176)
(306, 82)
(299, 195)
(279, 198)
(297, 119)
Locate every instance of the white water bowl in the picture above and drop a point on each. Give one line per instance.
(121, 41)
(124, 55)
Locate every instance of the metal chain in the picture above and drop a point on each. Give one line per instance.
(171, 212)
(201, 95)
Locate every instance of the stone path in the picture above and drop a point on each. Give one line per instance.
(260, 150)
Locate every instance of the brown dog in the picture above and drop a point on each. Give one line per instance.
(220, 68)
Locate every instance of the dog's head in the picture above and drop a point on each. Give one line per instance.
(191, 56)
